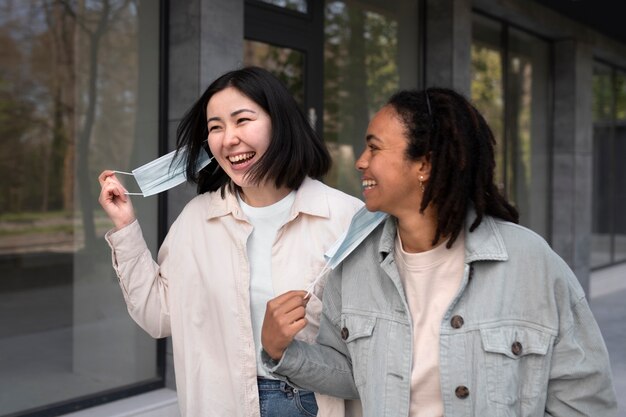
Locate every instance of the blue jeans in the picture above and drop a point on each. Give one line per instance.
(279, 399)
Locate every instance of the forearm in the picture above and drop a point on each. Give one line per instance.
(315, 367)
(580, 378)
(143, 287)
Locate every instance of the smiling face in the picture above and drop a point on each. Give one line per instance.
(239, 133)
(390, 181)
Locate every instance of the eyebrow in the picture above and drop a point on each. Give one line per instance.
(233, 114)
(371, 137)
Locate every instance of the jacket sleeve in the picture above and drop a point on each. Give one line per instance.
(325, 366)
(143, 285)
(580, 374)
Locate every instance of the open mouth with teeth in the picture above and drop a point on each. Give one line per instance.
(241, 158)
(367, 184)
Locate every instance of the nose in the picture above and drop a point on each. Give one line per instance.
(230, 136)
(362, 163)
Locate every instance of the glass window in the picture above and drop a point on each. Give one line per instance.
(297, 5)
(369, 52)
(510, 88)
(620, 168)
(285, 63)
(603, 104)
(527, 124)
(72, 103)
(609, 175)
(487, 87)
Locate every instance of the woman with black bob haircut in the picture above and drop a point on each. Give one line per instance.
(448, 307)
(295, 151)
(259, 226)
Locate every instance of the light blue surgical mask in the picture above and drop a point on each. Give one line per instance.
(165, 172)
(363, 223)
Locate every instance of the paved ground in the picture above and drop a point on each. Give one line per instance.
(608, 302)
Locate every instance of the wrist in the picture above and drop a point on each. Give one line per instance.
(122, 224)
(275, 355)
(268, 360)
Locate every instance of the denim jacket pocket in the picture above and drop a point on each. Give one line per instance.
(357, 332)
(516, 362)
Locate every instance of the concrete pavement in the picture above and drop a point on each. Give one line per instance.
(608, 303)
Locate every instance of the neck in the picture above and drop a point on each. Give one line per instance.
(263, 195)
(417, 230)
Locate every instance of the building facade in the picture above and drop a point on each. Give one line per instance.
(91, 85)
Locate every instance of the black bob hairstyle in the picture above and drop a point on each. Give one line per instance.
(443, 126)
(295, 150)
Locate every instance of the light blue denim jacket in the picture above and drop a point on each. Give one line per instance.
(518, 339)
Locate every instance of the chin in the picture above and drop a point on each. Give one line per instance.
(371, 206)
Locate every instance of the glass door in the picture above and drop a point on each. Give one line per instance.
(286, 38)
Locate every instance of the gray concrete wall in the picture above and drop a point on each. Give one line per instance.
(205, 40)
(448, 44)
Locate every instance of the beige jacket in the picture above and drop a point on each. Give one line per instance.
(198, 291)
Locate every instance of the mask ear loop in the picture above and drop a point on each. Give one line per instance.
(309, 289)
(131, 174)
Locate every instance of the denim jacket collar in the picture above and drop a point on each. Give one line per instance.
(485, 243)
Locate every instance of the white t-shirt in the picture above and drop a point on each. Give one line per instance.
(431, 279)
(266, 222)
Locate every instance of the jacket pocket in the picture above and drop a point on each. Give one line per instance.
(516, 362)
(357, 333)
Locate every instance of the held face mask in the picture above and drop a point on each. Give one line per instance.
(363, 223)
(165, 172)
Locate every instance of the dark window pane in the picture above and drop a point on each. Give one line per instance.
(522, 133)
(488, 84)
(297, 5)
(619, 153)
(603, 171)
(285, 63)
(369, 52)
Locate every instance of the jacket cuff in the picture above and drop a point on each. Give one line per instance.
(288, 364)
(126, 243)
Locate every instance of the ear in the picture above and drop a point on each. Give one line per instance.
(423, 168)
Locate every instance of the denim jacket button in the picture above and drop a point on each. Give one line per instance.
(345, 333)
(461, 392)
(457, 322)
(516, 348)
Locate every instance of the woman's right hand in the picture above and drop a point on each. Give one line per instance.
(284, 317)
(114, 200)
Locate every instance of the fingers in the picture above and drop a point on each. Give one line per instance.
(284, 318)
(114, 200)
(105, 175)
(288, 301)
(111, 187)
(288, 311)
(112, 191)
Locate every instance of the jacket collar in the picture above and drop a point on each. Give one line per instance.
(485, 243)
(310, 199)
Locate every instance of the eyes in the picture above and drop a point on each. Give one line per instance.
(371, 147)
(216, 126)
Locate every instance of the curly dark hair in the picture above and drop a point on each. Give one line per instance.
(295, 150)
(446, 128)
